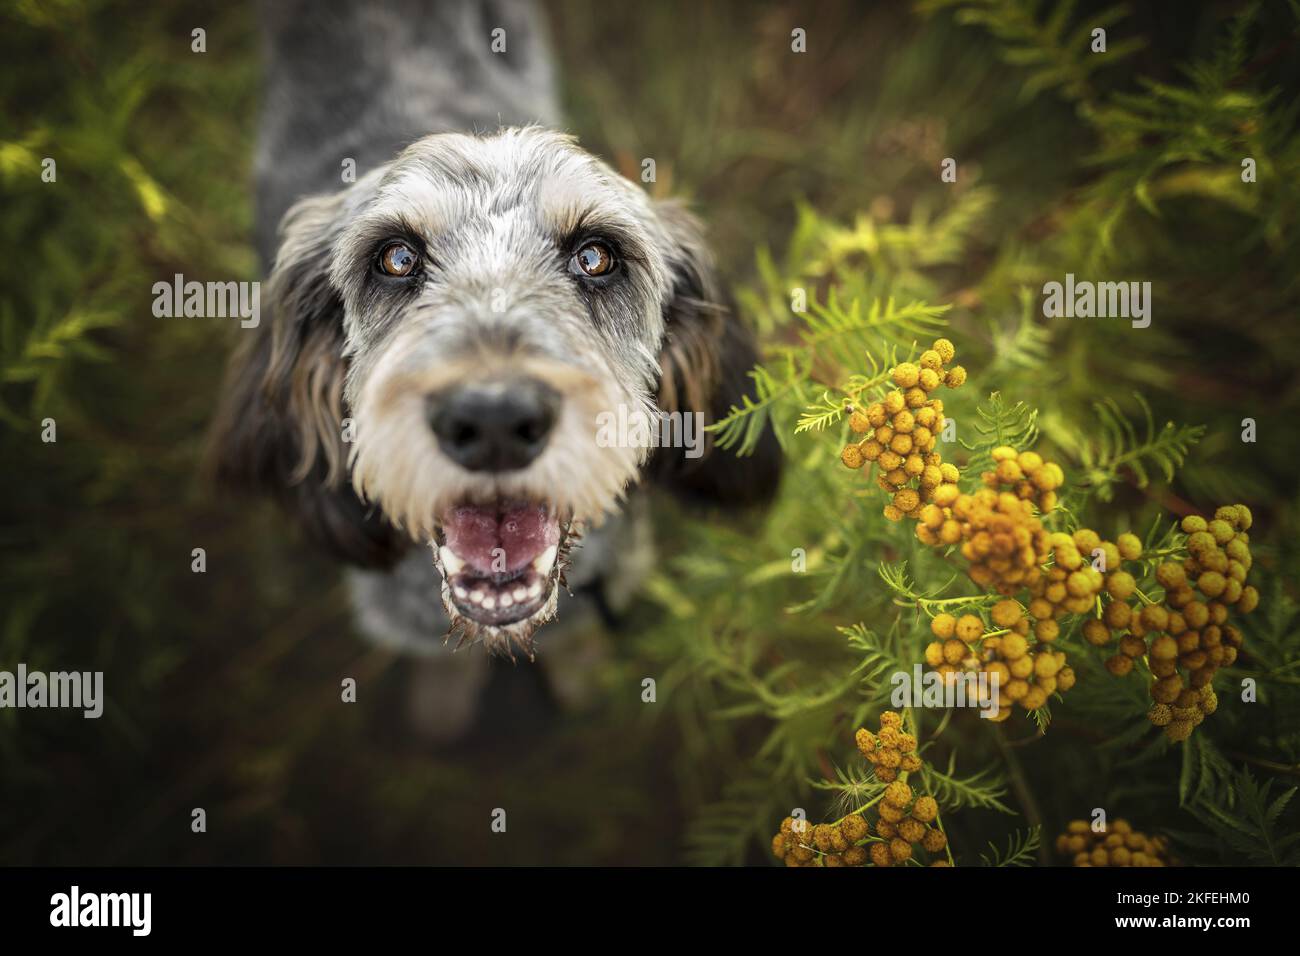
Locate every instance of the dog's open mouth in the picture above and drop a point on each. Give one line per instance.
(501, 563)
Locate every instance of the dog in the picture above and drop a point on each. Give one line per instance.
(446, 330)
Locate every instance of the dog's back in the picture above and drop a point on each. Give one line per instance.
(359, 81)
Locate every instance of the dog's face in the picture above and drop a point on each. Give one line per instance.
(499, 294)
(473, 307)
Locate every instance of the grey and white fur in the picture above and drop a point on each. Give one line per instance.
(460, 162)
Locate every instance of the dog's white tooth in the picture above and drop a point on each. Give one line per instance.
(521, 594)
(450, 563)
(476, 597)
(489, 602)
(460, 592)
(544, 561)
(506, 599)
(535, 590)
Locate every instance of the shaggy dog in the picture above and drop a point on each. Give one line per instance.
(448, 329)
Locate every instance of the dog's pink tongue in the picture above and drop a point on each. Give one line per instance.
(476, 532)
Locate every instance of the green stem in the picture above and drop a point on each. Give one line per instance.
(974, 599)
(1023, 794)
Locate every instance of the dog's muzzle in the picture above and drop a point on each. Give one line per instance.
(501, 559)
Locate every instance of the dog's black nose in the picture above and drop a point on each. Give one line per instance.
(498, 427)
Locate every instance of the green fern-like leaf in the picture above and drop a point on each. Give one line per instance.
(722, 833)
(741, 428)
(1121, 448)
(1250, 830)
(997, 423)
(1055, 49)
(1042, 718)
(843, 334)
(984, 789)
(898, 580)
(1020, 850)
(831, 333)
(821, 415)
(1204, 771)
(880, 657)
(840, 575)
(1024, 347)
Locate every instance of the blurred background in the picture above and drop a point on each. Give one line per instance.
(223, 687)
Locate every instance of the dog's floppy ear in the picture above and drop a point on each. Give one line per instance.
(279, 428)
(704, 367)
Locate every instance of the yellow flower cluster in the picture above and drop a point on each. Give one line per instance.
(1189, 630)
(1026, 475)
(1072, 583)
(799, 843)
(1118, 845)
(1184, 638)
(901, 432)
(953, 654)
(1000, 536)
(1024, 675)
(891, 751)
(905, 821)
(1010, 552)
(904, 824)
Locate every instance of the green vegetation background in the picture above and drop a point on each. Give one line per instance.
(817, 170)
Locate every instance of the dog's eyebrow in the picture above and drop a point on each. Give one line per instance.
(422, 204)
(372, 229)
(593, 223)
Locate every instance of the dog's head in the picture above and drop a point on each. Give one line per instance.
(447, 335)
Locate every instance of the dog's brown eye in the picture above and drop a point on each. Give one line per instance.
(595, 259)
(398, 259)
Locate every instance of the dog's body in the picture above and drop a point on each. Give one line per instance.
(448, 328)
(362, 81)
